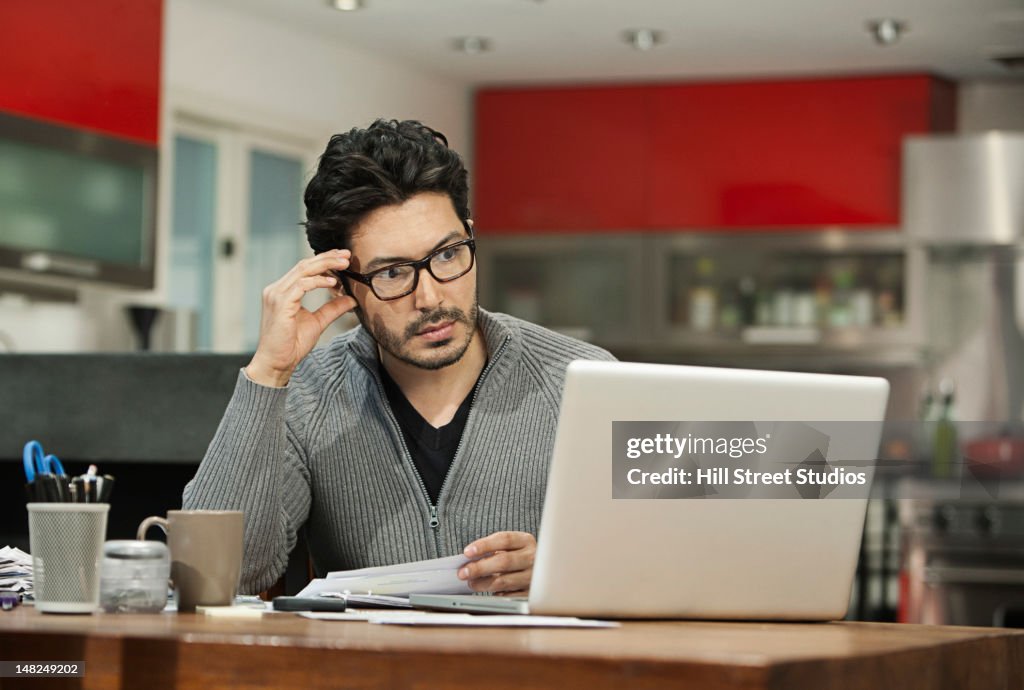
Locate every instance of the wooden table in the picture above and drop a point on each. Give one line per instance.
(150, 652)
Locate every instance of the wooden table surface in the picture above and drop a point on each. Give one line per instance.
(153, 651)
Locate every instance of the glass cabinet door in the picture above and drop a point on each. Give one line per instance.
(585, 287)
(785, 290)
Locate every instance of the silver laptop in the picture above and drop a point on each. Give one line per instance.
(788, 557)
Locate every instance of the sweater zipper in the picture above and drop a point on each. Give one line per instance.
(472, 402)
(408, 456)
(434, 520)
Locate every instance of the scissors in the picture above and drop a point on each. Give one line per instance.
(38, 463)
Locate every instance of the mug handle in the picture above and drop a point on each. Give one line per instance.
(149, 522)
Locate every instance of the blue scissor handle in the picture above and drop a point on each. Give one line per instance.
(32, 458)
(52, 464)
(37, 463)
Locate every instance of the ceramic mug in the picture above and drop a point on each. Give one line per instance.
(206, 555)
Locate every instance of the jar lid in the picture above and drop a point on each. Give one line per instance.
(135, 549)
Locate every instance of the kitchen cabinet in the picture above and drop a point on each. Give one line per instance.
(566, 159)
(786, 153)
(776, 300)
(80, 109)
(817, 292)
(710, 156)
(586, 287)
(91, 65)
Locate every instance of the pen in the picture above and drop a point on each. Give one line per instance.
(106, 488)
(47, 488)
(90, 483)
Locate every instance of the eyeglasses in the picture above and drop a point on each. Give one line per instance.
(398, 280)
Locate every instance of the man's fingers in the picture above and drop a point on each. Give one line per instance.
(501, 562)
(336, 260)
(299, 288)
(330, 311)
(318, 281)
(504, 583)
(500, 541)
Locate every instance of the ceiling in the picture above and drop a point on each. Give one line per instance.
(537, 41)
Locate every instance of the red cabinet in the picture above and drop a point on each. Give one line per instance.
(92, 65)
(763, 154)
(566, 159)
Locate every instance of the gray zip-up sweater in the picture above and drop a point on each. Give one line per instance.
(326, 454)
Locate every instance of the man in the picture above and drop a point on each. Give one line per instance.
(426, 431)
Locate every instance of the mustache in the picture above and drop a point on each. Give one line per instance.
(436, 317)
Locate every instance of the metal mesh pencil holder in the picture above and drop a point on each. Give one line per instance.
(66, 540)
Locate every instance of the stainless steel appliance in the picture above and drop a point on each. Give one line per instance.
(963, 556)
(963, 205)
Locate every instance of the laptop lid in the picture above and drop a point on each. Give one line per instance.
(669, 556)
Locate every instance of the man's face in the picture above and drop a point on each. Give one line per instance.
(432, 327)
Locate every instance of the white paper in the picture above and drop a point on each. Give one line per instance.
(437, 576)
(15, 570)
(358, 614)
(458, 619)
(498, 621)
(375, 601)
(9, 554)
(244, 611)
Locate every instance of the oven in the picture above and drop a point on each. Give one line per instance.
(963, 561)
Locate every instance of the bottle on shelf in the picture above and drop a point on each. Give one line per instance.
(704, 297)
(840, 314)
(822, 298)
(924, 439)
(783, 304)
(765, 312)
(887, 311)
(747, 290)
(862, 308)
(944, 448)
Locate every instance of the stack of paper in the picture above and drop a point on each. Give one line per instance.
(15, 571)
(436, 576)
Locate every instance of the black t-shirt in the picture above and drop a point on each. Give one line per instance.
(432, 449)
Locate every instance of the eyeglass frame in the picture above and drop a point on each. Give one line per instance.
(424, 263)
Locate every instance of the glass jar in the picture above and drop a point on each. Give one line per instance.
(135, 576)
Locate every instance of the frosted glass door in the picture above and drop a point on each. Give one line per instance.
(275, 236)
(192, 234)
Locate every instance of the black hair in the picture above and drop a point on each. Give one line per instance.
(385, 164)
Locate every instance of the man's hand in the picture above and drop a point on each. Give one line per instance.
(288, 331)
(505, 564)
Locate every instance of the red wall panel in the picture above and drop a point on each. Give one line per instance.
(561, 159)
(93, 65)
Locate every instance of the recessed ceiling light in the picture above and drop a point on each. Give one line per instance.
(643, 39)
(887, 31)
(472, 45)
(1011, 61)
(347, 5)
